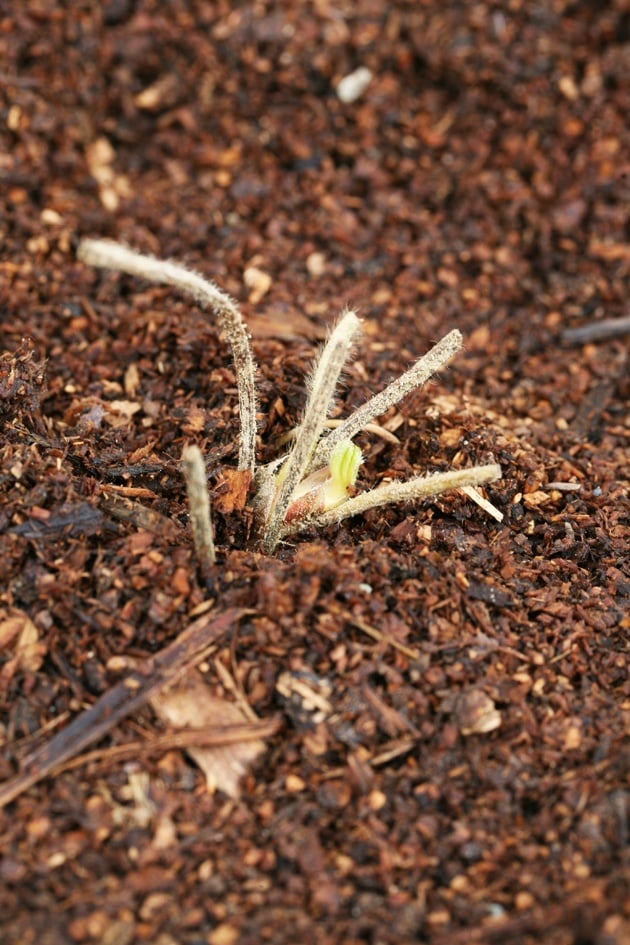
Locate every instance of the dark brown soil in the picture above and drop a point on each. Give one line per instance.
(458, 772)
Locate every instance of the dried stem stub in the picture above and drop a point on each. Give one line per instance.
(199, 504)
(395, 492)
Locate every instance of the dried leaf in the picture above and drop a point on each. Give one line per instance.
(28, 652)
(233, 491)
(192, 705)
(283, 324)
(476, 713)
(126, 407)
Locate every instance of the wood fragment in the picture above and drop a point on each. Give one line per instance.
(181, 739)
(384, 638)
(392, 750)
(482, 502)
(134, 513)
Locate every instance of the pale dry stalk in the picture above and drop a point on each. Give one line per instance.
(105, 254)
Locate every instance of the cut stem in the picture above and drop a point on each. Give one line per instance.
(105, 254)
(435, 359)
(323, 383)
(395, 492)
(199, 505)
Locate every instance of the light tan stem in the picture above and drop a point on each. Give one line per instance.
(105, 254)
(199, 504)
(395, 492)
(323, 383)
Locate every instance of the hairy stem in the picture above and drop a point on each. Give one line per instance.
(109, 255)
(424, 368)
(395, 492)
(323, 383)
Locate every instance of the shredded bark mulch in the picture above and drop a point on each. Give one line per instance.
(411, 727)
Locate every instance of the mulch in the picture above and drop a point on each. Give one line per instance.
(441, 700)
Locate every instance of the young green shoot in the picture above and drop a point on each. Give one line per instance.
(322, 498)
(326, 488)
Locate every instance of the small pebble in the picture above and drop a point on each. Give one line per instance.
(352, 86)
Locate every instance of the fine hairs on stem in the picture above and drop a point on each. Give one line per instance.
(105, 254)
(311, 486)
(322, 390)
(417, 488)
(417, 375)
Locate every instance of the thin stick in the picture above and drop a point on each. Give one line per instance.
(482, 502)
(383, 637)
(184, 738)
(105, 254)
(435, 359)
(417, 488)
(199, 505)
(323, 384)
(330, 424)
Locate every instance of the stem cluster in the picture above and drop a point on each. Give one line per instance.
(310, 486)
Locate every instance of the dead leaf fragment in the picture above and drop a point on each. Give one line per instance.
(125, 407)
(535, 499)
(19, 632)
(283, 324)
(131, 380)
(101, 156)
(573, 734)
(162, 94)
(476, 713)
(192, 705)
(232, 493)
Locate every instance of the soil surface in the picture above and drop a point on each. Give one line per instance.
(429, 705)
